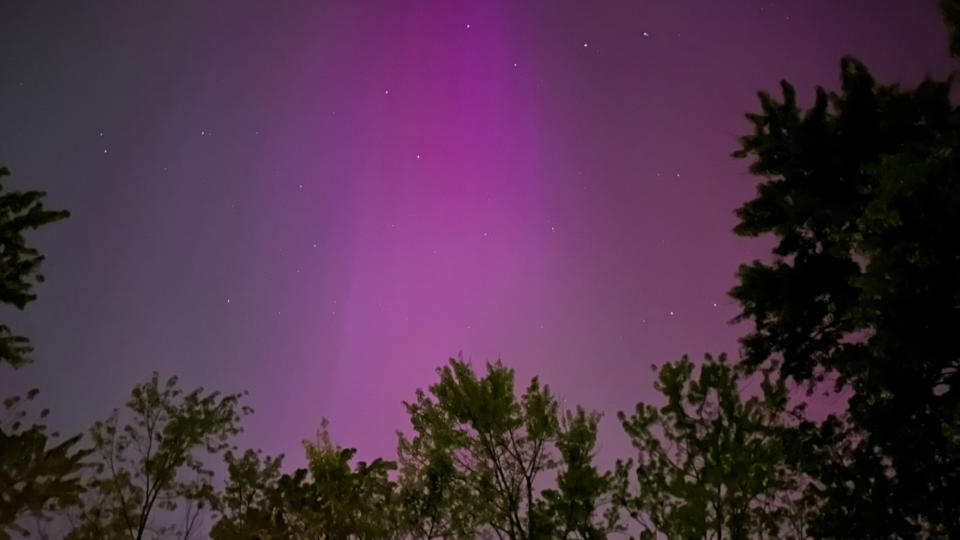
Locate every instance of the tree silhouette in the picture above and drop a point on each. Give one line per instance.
(479, 453)
(36, 476)
(710, 463)
(20, 211)
(149, 459)
(862, 194)
(330, 498)
(335, 500)
(248, 506)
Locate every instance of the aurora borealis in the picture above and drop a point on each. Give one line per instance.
(320, 202)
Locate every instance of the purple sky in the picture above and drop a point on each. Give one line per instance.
(321, 202)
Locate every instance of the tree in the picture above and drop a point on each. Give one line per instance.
(475, 463)
(36, 475)
(150, 461)
(19, 263)
(37, 478)
(328, 499)
(862, 194)
(951, 16)
(582, 504)
(710, 464)
(247, 507)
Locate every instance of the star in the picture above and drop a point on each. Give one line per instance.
(104, 150)
(671, 314)
(585, 44)
(418, 156)
(202, 132)
(646, 34)
(468, 27)
(386, 92)
(228, 300)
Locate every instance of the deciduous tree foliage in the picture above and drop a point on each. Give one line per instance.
(149, 461)
(582, 504)
(862, 194)
(329, 499)
(37, 475)
(20, 211)
(436, 502)
(710, 463)
(476, 462)
(860, 191)
(248, 507)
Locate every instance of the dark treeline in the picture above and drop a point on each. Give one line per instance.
(861, 192)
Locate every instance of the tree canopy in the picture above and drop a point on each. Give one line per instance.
(479, 453)
(862, 192)
(710, 463)
(37, 475)
(20, 211)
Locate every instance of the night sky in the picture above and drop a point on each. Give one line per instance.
(320, 202)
